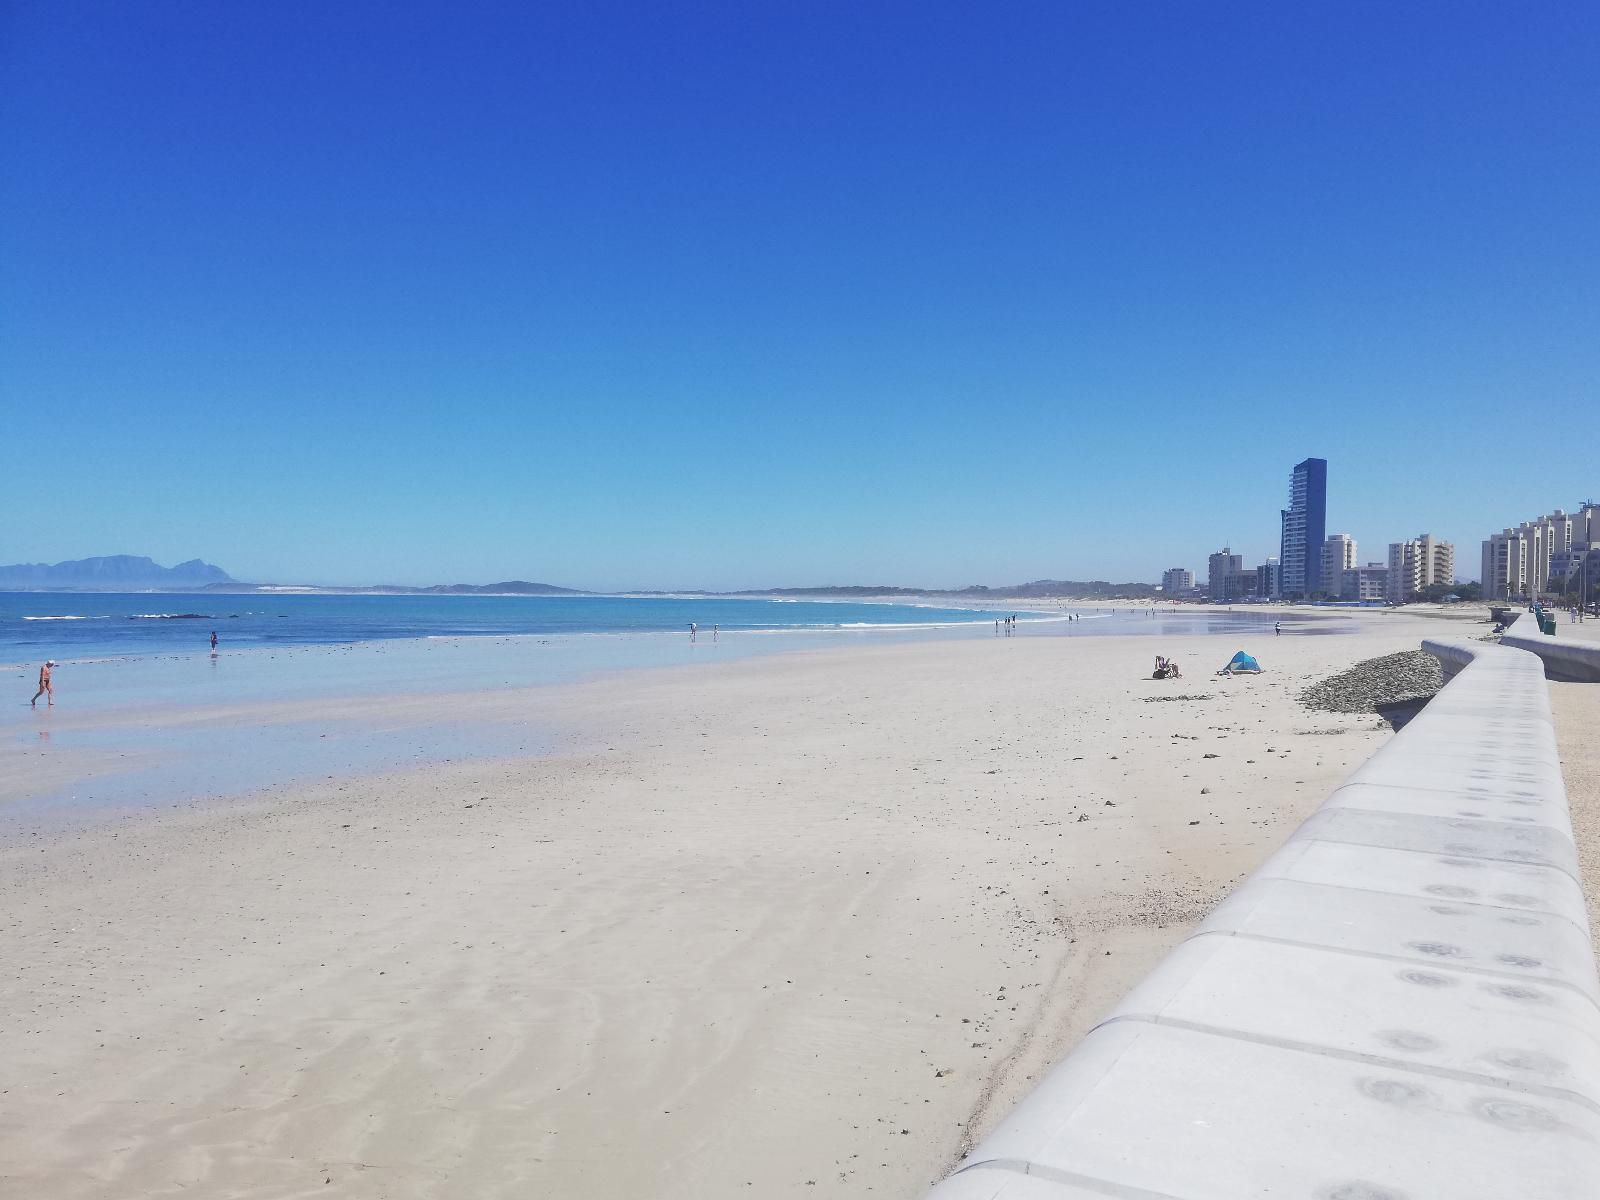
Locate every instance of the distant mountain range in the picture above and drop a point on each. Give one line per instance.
(113, 573)
(130, 573)
(135, 573)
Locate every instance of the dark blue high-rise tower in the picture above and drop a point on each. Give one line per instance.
(1305, 526)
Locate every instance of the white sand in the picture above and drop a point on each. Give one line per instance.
(799, 925)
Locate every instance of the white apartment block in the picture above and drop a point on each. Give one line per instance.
(1338, 556)
(1370, 582)
(1518, 562)
(1419, 563)
(1177, 580)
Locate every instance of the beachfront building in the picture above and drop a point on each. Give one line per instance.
(1338, 556)
(1177, 581)
(1564, 564)
(1367, 583)
(1304, 528)
(1269, 579)
(1518, 562)
(1417, 564)
(1220, 568)
(1506, 560)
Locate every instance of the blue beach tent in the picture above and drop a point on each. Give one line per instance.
(1241, 664)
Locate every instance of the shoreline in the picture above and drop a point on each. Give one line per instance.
(147, 725)
(736, 930)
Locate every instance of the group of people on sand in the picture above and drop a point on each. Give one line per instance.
(1166, 668)
(694, 632)
(1007, 624)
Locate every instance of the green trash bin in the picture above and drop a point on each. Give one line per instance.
(1547, 625)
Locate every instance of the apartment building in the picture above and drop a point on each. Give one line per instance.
(1519, 561)
(1367, 583)
(1419, 563)
(1338, 556)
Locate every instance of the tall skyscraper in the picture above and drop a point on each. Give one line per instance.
(1305, 527)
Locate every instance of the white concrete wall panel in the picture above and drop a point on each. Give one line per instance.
(1400, 1004)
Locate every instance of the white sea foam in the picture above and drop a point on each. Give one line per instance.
(69, 618)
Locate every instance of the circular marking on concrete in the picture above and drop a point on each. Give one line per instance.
(1359, 1189)
(1394, 1091)
(1462, 862)
(1446, 910)
(1452, 891)
(1463, 848)
(1519, 960)
(1522, 920)
(1513, 991)
(1521, 899)
(1526, 1060)
(1409, 1040)
(1516, 1116)
(1427, 979)
(1436, 949)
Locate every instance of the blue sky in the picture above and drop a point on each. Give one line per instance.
(742, 295)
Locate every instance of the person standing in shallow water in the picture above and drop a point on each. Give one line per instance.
(45, 687)
(213, 641)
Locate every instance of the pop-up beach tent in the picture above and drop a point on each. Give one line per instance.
(1241, 663)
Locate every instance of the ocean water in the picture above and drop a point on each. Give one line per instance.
(69, 626)
(76, 625)
(147, 715)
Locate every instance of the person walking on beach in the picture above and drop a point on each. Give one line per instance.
(1277, 629)
(693, 629)
(716, 632)
(213, 641)
(45, 687)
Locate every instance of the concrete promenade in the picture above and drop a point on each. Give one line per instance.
(1401, 1003)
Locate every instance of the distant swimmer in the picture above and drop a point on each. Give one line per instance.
(213, 640)
(45, 687)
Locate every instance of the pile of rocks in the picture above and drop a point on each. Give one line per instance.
(1377, 682)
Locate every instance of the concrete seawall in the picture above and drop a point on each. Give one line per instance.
(1401, 1003)
(1564, 659)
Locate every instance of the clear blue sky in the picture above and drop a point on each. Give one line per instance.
(733, 295)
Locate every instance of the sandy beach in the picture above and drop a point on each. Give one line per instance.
(797, 925)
